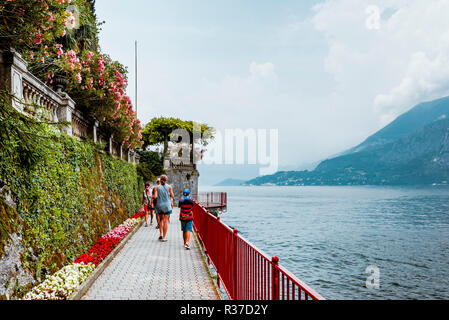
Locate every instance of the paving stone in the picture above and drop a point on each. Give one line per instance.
(147, 269)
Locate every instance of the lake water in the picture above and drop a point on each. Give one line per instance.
(328, 236)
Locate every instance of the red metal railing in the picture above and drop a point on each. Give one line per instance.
(211, 199)
(245, 272)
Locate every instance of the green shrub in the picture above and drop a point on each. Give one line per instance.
(67, 193)
(151, 165)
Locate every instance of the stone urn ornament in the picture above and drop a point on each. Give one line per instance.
(61, 81)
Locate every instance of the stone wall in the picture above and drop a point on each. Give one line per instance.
(12, 274)
(181, 179)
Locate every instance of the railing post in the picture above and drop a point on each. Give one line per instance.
(275, 278)
(217, 252)
(207, 202)
(206, 236)
(235, 264)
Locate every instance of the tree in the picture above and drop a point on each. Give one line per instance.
(160, 130)
(206, 134)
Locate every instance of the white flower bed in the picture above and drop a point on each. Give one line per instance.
(132, 222)
(62, 284)
(66, 281)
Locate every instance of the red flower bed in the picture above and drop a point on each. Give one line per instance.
(138, 215)
(99, 251)
(106, 244)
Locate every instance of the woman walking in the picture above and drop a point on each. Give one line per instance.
(158, 182)
(164, 195)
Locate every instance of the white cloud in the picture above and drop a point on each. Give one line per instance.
(401, 61)
(384, 57)
(262, 70)
(238, 98)
(424, 79)
(326, 78)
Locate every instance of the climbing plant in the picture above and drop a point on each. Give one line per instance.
(66, 192)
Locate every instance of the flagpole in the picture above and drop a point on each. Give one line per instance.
(136, 75)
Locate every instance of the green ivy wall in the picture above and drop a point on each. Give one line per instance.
(65, 198)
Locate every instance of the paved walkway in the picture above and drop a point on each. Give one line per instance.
(147, 269)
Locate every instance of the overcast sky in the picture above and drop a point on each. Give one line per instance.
(326, 74)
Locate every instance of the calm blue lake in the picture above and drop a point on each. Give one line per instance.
(328, 236)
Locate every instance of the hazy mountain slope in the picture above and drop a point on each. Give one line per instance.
(421, 115)
(421, 157)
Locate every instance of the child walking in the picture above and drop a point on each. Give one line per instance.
(147, 203)
(186, 217)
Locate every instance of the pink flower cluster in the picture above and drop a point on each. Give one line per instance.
(101, 77)
(95, 79)
(119, 232)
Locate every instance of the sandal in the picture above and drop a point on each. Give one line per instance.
(164, 240)
(160, 238)
(187, 247)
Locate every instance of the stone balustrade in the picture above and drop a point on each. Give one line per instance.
(179, 164)
(36, 99)
(80, 127)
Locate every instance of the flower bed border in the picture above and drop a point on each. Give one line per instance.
(87, 284)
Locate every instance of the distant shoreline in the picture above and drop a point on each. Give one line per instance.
(324, 185)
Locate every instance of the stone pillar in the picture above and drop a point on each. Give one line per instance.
(65, 112)
(110, 144)
(121, 151)
(96, 125)
(12, 68)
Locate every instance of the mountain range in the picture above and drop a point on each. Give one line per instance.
(413, 149)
